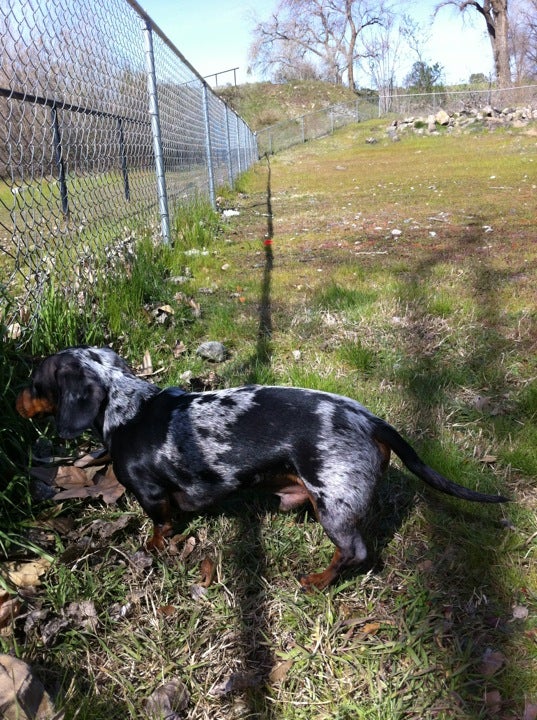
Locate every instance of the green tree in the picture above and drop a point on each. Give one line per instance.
(423, 77)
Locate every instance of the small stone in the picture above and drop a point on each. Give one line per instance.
(212, 350)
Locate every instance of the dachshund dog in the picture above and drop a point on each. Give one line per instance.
(189, 449)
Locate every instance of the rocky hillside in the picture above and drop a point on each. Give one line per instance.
(264, 104)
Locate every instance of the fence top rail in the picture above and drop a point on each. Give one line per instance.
(165, 39)
(442, 91)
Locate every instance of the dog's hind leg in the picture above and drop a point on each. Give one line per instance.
(157, 504)
(350, 550)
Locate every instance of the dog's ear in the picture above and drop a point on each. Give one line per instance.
(80, 396)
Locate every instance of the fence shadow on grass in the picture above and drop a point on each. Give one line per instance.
(464, 579)
(250, 552)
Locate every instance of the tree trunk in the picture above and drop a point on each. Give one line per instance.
(496, 17)
(500, 42)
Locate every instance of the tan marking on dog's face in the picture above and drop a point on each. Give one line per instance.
(29, 407)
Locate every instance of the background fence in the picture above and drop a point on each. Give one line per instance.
(103, 123)
(312, 125)
(405, 103)
(323, 122)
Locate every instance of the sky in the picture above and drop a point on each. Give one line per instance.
(215, 36)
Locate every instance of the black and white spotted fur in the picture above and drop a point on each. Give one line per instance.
(189, 449)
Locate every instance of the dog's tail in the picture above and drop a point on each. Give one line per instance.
(388, 435)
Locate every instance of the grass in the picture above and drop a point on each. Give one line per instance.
(433, 328)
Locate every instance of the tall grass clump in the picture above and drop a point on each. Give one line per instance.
(195, 224)
(15, 436)
(62, 321)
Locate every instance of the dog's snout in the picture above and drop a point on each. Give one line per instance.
(29, 406)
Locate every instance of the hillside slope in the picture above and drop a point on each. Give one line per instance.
(264, 104)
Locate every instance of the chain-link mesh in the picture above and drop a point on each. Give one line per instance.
(473, 98)
(84, 133)
(314, 125)
(323, 122)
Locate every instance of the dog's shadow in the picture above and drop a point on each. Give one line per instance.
(247, 563)
(394, 499)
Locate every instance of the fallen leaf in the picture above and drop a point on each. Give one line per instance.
(196, 308)
(98, 457)
(234, 683)
(10, 607)
(179, 348)
(197, 592)
(141, 561)
(105, 485)
(168, 701)
(147, 364)
(426, 566)
(491, 662)
(520, 612)
(25, 574)
(530, 711)
(20, 689)
(69, 477)
(83, 614)
(279, 671)
(14, 331)
(105, 529)
(166, 611)
(109, 487)
(166, 309)
(370, 628)
(208, 569)
(187, 548)
(61, 525)
(493, 701)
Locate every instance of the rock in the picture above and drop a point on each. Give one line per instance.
(442, 118)
(213, 351)
(488, 117)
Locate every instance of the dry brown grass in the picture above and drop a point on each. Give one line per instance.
(435, 329)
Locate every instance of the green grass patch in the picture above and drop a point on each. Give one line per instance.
(433, 327)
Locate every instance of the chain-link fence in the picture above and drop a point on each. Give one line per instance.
(323, 122)
(314, 125)
(104, 123)
(472, 98)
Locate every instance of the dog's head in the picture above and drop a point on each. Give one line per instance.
(69, 386)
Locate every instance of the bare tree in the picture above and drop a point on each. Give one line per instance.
(523, 39)
(496, 17)
(328, 32)
(384, 49)
(531, 17)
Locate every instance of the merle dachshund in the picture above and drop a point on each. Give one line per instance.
(189, 449)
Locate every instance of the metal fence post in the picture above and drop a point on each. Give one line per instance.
(239, 159)
(208, 146)
(58, 157)
(155, 128)
(123, 156)
(228, 145)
